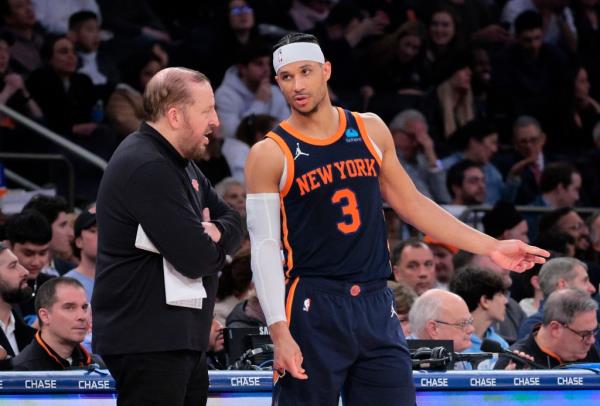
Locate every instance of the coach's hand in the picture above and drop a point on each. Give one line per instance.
(517, 256)
(209, 227)
(288, 356)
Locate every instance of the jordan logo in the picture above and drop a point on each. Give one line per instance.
(299, 152)
(393, 312)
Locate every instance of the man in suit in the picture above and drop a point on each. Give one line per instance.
(14, 334)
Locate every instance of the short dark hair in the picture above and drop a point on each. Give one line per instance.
(236, 277)
(251, 51)
(548, 221)
(527, 21)
(28, 226)
(2, 248)
(477, 129)
(471, 283)
(409, 242)
(555, 241)
(556, 173)
(456, 174)
(294, 37)
(45, 296)
(80, 17)
(47, 50)
(49, 206)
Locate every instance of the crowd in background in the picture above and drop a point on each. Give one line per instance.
(489, 102)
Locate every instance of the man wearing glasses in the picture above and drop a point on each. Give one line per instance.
(567, 333)
(441, 315)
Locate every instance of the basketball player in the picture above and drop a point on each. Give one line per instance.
(320, 176)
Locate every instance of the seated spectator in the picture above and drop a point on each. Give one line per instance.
(416, 152)
(593, 224)
(412, 263)
(85, 246)
(557, 273)
(441, 315)
(246, 314)
(215, 356)
(29, 234)
(481, 80)
(452, 103)
(55, 209)
(15, 334)
(442, 256)
(477, 141)
(585, 114)
(133, 23)
(560, 243)
(247, 89)
(514, 315)
(522, 164)
(13, 91)
(504, 222)
(65, 96)
(484, 293)
(567, 333)
(558, 22)
(233, 193)
(14, 94)
(84, 31)
(465, 181)
(20, 20)
(125, 110)
(404, 297)
(533, 295)
(566, 220)
(212, 162)
(527, 74)
(54, 16)
(235, 285)
(252, 129)
(342, 36)
(445, 38)
(560, 184)
(398, 61)
(64, 315)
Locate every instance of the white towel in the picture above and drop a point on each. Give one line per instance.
(179, 289)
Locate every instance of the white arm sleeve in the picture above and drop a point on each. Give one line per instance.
(263, 218)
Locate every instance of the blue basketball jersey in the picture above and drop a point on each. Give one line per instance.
(331, 206)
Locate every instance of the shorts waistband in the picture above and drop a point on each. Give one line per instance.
(341, 287)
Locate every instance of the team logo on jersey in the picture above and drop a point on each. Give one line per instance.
(352, 135)
(299, 152)
(306, 306)
(195, 185)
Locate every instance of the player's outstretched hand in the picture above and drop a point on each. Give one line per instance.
(288, 357)
(517, 256)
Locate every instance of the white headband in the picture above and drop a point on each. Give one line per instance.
(297, 51)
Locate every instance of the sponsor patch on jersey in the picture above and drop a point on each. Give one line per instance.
(352, 135)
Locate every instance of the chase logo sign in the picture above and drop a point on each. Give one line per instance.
(352, 135)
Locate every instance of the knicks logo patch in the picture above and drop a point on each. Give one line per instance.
(306, 306)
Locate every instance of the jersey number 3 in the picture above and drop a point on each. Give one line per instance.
(347, 201)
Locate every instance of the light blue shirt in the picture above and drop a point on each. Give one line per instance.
(88, 283)
(490, 333)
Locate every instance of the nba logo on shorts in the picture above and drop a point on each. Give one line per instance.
(306, 306)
